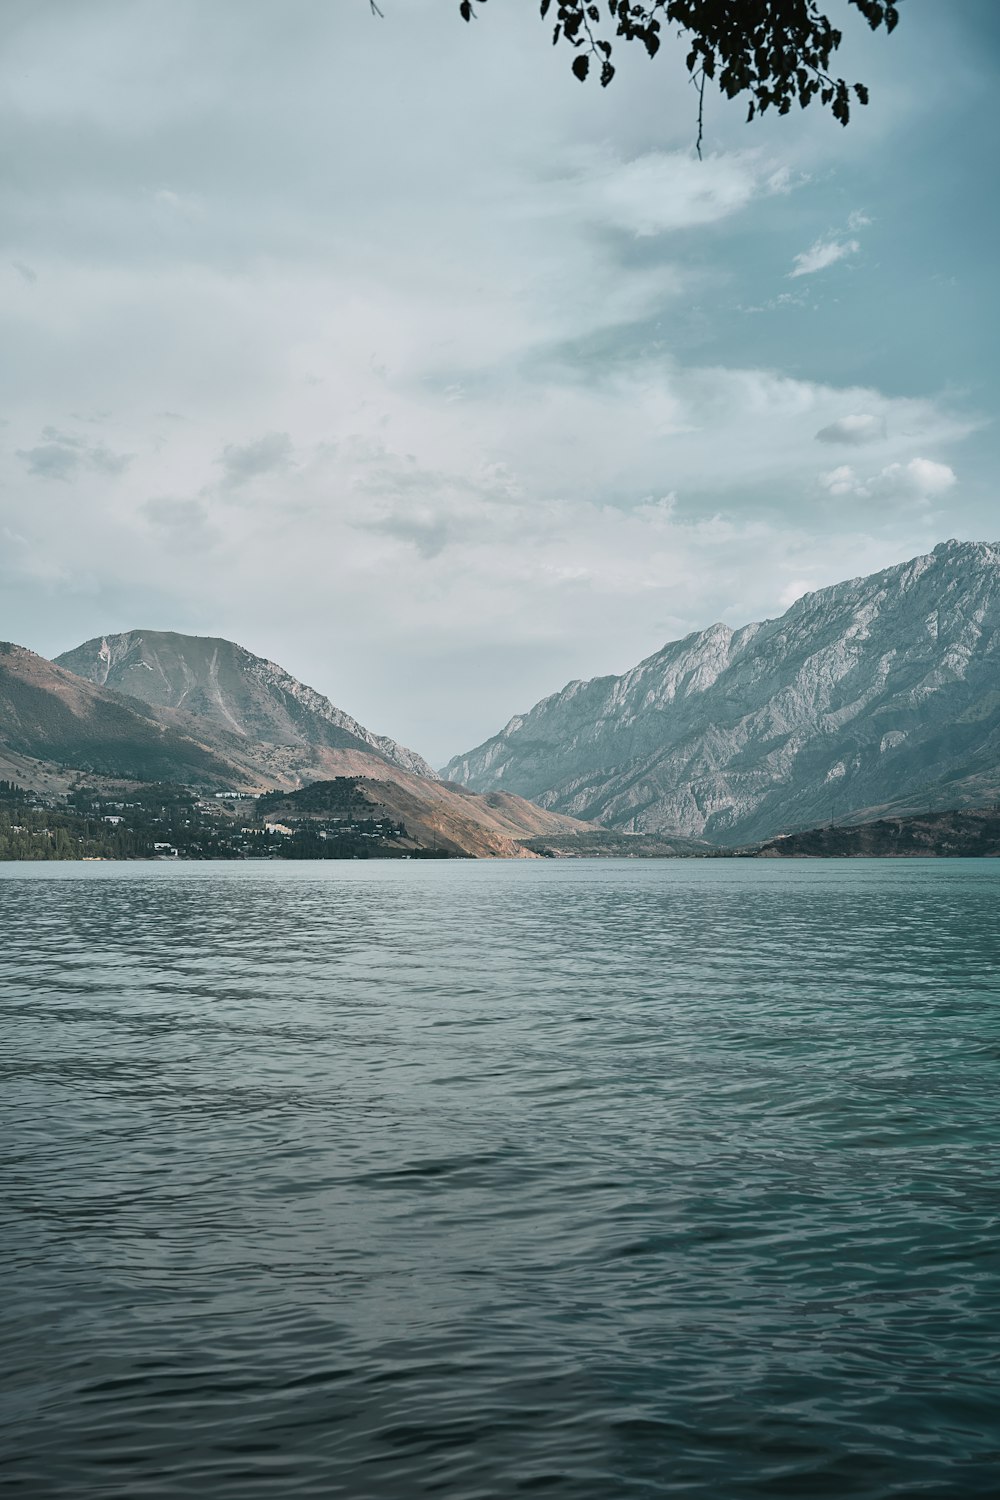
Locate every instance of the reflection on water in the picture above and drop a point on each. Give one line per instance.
(602, 1179)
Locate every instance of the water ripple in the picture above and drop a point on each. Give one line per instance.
(596, 1180)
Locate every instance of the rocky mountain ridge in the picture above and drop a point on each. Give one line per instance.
(862, 695)
(237, 691)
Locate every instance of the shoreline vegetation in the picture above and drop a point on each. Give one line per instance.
(333, 820)
(167, 822)
(952, 833)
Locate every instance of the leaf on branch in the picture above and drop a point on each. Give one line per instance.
(775, 53)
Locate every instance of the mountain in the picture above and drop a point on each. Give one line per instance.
(242, 694)
(55, 726)
(879, 693)
(50, 718)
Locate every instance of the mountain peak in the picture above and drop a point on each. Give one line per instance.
(876, 688)
(244, 694)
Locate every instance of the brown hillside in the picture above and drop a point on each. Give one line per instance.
(55, 725)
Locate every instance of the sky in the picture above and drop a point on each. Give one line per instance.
(391, 351)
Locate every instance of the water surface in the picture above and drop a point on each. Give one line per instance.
(592, 1179)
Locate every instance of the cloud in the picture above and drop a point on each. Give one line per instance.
(51, 460)
(175, 203)
(27, 273)
(269, 454)
(428, 533)
(664, 191)
(65, 439)
(183, 525)
(450, 398)
(830, 248)
(822, 254)
(853, 431)
(842, 481)
(793, 591)
(167, 512)
(101, 458)
(921, 480)
(63, 456)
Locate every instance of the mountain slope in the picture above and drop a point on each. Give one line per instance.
(870, 693)
(238, 692)
(51, 720)
(445, 817)
(52, 716)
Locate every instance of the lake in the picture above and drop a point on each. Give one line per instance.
(590, 1179)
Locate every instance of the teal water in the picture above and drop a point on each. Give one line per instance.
(591, 1179)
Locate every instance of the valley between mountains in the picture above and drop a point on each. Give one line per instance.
(876, 699)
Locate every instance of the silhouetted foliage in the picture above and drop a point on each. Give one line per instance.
(775, 51)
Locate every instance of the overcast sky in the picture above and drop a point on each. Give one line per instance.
(391, 351)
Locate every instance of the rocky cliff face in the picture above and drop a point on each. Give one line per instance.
(239, 692)
(874, 692)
